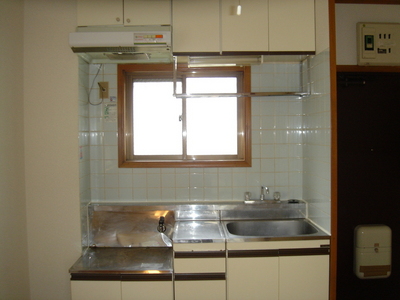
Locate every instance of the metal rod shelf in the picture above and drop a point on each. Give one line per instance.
(255, 94)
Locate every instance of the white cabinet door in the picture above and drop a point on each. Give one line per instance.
(291, 25)
(195, 26)
(100, 12)
(95, 290)
(253, 278)
(200, 290)
(147, 290)
(248, 31)
(304, 277)
(145, 12)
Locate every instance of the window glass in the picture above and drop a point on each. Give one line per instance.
(157, 129)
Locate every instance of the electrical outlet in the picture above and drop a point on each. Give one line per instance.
(103, 90)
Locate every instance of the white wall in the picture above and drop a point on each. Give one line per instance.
(347, 16)
(51, 146)
(276, 139)
(14, 281)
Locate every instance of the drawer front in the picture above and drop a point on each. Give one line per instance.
(200, 290)
(199, 265)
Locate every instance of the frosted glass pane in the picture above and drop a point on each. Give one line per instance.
(156, 124)
(211, 85)
(212, 126)
(212, 122)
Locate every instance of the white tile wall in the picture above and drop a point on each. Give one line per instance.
(317, 141)
(279, 145)
(84, 147)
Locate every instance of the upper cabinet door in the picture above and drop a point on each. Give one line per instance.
(291, 25)
(147, 12)
(100, 12)
(247, 31)
(196, 26)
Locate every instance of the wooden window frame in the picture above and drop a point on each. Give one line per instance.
(125, 135)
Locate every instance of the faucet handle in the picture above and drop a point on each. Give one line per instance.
(161, 227)
(265, 188)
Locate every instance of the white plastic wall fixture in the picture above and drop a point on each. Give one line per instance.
(378, 44)
(372, 251)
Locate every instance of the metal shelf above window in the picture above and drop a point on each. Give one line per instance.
(220, 61)
(255, 94)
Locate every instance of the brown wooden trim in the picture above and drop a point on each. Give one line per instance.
(196, 54)
(243, 158)
(369, 1)
(367, 69)
(304, 251)
(334, 233)
(146, 277)
(96, 276)
(122, 276)
(200, 254)
(252, 253)
(199, 276)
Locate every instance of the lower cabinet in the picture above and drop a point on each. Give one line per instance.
(200, 271)
(304, 277)
(125, 290)
(200, 290)
(253, 278)
(271, 270)
(275, 270)
(95, 290)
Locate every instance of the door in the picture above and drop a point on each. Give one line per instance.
(368, 173)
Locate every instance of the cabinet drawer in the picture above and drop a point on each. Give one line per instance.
(199, 265)
(200, 290)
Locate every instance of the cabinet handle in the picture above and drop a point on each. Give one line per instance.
(128, 20)
(117, 19)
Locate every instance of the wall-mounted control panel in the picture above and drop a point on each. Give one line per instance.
(378, 44)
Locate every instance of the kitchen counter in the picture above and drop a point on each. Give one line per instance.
(125, 243)
(198, 232)
(124, 263)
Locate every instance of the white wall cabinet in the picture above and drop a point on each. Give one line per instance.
(125, 290)
(124, 12)
(212, 26)
(264, 25)
(100, 12)
(291, 25)
(195, 26)
(278, 270)
(247, 32)
(145, 12)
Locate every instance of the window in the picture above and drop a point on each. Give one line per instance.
(156, 129)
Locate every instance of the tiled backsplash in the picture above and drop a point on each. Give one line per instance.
(290, 145)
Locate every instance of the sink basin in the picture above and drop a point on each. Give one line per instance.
(271, 228)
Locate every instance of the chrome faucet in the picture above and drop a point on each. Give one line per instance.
(264, 189)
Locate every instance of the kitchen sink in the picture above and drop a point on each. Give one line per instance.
(271, 228)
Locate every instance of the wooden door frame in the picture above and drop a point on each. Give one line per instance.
(333, 254)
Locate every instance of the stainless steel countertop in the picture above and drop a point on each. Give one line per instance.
(196, 223)
(198, 231)
(125, 260)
